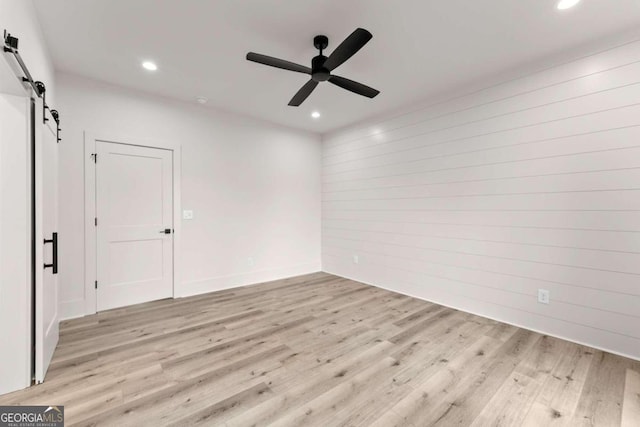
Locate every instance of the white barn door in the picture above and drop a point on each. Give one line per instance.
(46, 239)
(134, 220)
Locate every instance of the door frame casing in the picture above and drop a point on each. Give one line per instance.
(90, 232)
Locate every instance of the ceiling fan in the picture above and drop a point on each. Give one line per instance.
(322, 66)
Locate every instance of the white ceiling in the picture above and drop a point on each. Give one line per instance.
(419, 47)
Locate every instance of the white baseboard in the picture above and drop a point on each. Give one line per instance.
(76, 308)
(213, 284)
(497, 319)
(71, 309)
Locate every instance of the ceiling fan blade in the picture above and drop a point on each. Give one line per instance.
(278, 63)
(303, 93)
(354, 87)
(348, 48)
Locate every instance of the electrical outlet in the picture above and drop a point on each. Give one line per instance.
(187, 214)
(250, 262)
(543, 296)
(356, 259)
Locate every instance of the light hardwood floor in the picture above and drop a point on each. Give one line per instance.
(326, 351)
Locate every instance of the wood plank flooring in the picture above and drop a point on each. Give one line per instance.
(319, 350)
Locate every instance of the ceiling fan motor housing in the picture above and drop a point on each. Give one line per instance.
(318, 72)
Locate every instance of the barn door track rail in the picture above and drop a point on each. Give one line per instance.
(11, 47)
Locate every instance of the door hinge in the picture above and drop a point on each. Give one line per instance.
(95, 221)
(96, 284)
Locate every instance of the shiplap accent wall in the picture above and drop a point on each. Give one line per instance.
(479, 201)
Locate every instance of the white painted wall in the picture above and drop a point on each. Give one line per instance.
(18, 17)
(15, 245)
(254, 187)
(478, 201)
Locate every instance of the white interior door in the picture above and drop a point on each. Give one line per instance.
(134, 208)
(46, 236)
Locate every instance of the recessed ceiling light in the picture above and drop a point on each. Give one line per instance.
(567, 4)
(201, 100)
(148, 65)
(315, 114)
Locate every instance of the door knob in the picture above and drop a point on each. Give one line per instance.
(165, 231)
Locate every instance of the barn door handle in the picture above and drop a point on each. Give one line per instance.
(54, 241)
(165, 231)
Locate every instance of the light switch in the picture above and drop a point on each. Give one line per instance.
(187, 214)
